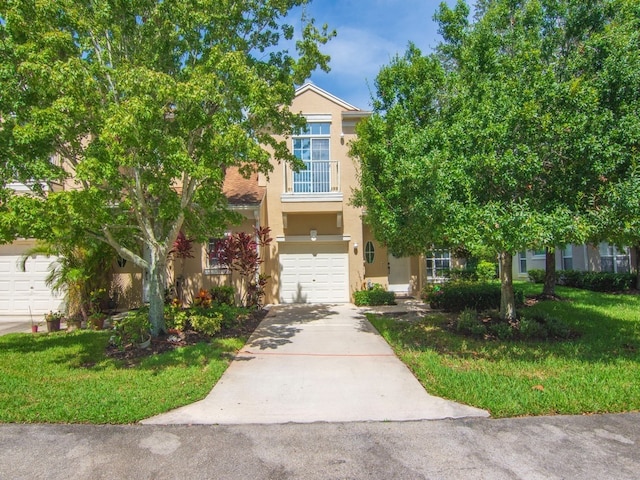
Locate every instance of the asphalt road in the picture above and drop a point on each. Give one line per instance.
(560, 447)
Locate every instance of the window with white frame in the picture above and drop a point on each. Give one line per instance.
(567, 258)
(214, 267)
(438, 263)
(540, 253)
(522, 262)
(613, 259)
(312, 147)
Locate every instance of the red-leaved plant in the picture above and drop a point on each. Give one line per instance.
(240, 252)
(182, 249)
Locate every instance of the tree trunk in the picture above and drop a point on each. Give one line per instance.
(549, 289)
(507, 297)
(157, 285)
(637, 249)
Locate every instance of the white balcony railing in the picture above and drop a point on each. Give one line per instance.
(319, 177)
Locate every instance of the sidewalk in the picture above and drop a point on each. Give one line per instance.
(315, 363)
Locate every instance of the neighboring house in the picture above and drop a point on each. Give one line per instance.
(603, 257)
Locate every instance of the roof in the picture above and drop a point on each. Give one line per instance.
(240, 190)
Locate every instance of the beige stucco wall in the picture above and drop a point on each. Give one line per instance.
(320, 216)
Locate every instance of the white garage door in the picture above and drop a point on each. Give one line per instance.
(314, 273)
(20, 290)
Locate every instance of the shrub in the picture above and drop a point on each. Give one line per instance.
(202, 299)
(536, 275)
(230, 314)
(205, 320)
(132, 328)
(486, 271)
(176, 318)
(541, 325)
(223, 295)
(469, 323)
(502, 330)
(457, 296)
(530, 328)
(376, 295)
(457, 274)
(597, 281)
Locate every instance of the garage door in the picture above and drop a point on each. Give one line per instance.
(314, 273)
(20, 290)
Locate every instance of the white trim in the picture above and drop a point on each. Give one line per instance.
(327, 95)
(311, 197)
(307, 238)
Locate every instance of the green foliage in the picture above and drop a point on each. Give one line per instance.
(536, 275)
(509, 134)
(176, 318)
(132, 328)
(468, 323)
(376, 295)
(223, 295)
(205, 320)
(458, 296)
(597, 281)
(136, 99)
(486, 271)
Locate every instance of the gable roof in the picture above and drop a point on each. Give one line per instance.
(240, 190)
(338, 101)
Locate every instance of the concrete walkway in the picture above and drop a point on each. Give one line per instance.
(315, 363)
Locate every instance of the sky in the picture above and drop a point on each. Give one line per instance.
(369, 34)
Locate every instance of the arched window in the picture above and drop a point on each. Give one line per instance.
(369, 252)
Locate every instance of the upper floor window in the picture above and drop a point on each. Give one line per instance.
(312, 147)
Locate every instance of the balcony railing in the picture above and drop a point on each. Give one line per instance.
(318, 177)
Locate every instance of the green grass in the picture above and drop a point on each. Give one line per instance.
(66, 378)
(597, 372)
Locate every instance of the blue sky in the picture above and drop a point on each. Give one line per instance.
(370, 34)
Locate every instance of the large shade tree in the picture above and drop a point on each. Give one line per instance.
(493, 142)
(143, 104)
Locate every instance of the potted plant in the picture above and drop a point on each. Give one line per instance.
(96, 317)
(53, 321)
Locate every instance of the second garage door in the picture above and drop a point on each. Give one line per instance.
(314, 273)
(24, 292)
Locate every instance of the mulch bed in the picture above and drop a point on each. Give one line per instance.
(164, 343)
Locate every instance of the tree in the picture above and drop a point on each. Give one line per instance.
(143, 105)
(493, 142)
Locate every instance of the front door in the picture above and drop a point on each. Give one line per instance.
(399, 274)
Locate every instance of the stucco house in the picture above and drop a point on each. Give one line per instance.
(321, 250)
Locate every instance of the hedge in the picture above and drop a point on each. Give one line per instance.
(374, 296)
(457, 296)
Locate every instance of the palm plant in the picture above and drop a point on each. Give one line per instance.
(77, 271)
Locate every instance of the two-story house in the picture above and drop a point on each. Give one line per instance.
(321, 250)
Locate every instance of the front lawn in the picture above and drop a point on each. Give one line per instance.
(66, 378)
(597, 372)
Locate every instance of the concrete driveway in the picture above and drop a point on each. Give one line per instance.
(316, 363)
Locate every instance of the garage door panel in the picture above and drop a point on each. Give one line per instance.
(314, 273)
(24, 291)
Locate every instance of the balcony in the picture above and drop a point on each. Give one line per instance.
(318, 182)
